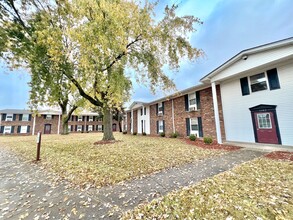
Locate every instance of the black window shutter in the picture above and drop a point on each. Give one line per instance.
(1, 129)
(75, 127)
(164, 125)
(14, 117)
(3, 117)
(97, 127)
(244, 86)
(18, 129)
(52, 116)
(12, 129)
(157, 108)
(187, 126)
(20, 117)
(273, 79)
(71, 128)
(141, 111)
(28, 129)
(83, 118)
(102, 127)
(157, 127)
(82, 127)
(29, 117)
(197, 94)
(87, 128)
(93, 127)
(163, 107)
(44, 116)
(200, 131)
(186, 102)
(88, 118)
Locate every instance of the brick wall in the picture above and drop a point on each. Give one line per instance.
(17, 123)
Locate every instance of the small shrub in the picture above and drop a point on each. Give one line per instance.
(144, 134)
(134, 133)
(162, 134)
(174, 135)
(192, 137)
(207, 140)
(124, 132)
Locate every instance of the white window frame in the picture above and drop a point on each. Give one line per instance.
(79, 128)
(160, 105)
(9, 117)
(91, 118)
(258, 119)
(90, 128)
(161, 126)
(266, 80)
(48, 117)
(7, 130)
(69, 128)
(23, 129)
(100, 127)
(25, 117)
(190, 97)
(194, 121)
(79, 118)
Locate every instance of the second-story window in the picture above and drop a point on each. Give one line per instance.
(91, 118)
(25, 117)
(48, 117)
(160, 108)
(144, 110)
(9, 117)
(79, 118)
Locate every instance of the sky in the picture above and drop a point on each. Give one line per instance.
(229, 26)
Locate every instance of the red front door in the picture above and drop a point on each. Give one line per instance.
(265, 127)
(114, 127)
(47, 129)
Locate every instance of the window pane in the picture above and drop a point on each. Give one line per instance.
(25, 117)
(194, 127)
(192, 102)
(264, 120)
(258, 82)
(23, 129)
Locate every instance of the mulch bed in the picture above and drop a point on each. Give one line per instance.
(213, 146)
(106, 142)
(280, 155)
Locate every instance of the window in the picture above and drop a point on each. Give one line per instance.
(100, 119)
(9, 117)
(258, 82)
(192, 100)
(7, 129)
(48, 117)
(194, 126)
(264, 121)
(144, 110)
(79, 128)
(100, 127)
(79, 118)
(141, 111)
(91, 118)
(25, 117)
(90, 128)
(69, 128)
(23, 129)
(160, 108)
(161, 126)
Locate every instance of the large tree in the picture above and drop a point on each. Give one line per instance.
(100, 39)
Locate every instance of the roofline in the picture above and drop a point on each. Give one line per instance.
(248, 51)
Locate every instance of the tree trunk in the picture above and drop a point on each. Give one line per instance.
(107, 120)
(64, 120)
(120, 126)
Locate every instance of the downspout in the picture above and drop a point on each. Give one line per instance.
(173, 120)
(216, 111)
(34, 125)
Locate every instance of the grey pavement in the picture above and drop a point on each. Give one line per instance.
(29, 192)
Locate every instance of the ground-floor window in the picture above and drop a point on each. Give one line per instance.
(23, 129)
(194, 126)
(161, 126)
(79, 127)
(7, 129)
(90, 128)
(69, 128)
(100, 127)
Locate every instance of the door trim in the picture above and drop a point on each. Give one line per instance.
(265, 108)
(50, 128)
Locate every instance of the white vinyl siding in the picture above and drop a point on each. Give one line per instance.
(146, 121)
(237, 116)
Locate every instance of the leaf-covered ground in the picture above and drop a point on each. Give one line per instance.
(77, 159)
(260, 189)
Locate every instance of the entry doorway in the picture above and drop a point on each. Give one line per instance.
(47, 129)
(265, 124)
(114, 127)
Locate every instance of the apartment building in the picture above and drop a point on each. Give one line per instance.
(25, 122)
(186, 112)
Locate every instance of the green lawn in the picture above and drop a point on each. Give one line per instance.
(260, 189)
(77, 159)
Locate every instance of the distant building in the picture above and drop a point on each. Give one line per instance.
(23, 122)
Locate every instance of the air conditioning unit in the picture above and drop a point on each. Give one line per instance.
(160, 114)
(192, 109)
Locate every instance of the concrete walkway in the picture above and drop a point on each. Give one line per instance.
(28, 192)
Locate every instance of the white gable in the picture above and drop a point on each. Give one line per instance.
(253, 62)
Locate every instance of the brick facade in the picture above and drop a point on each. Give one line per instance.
(206, 112)
(42, 122)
